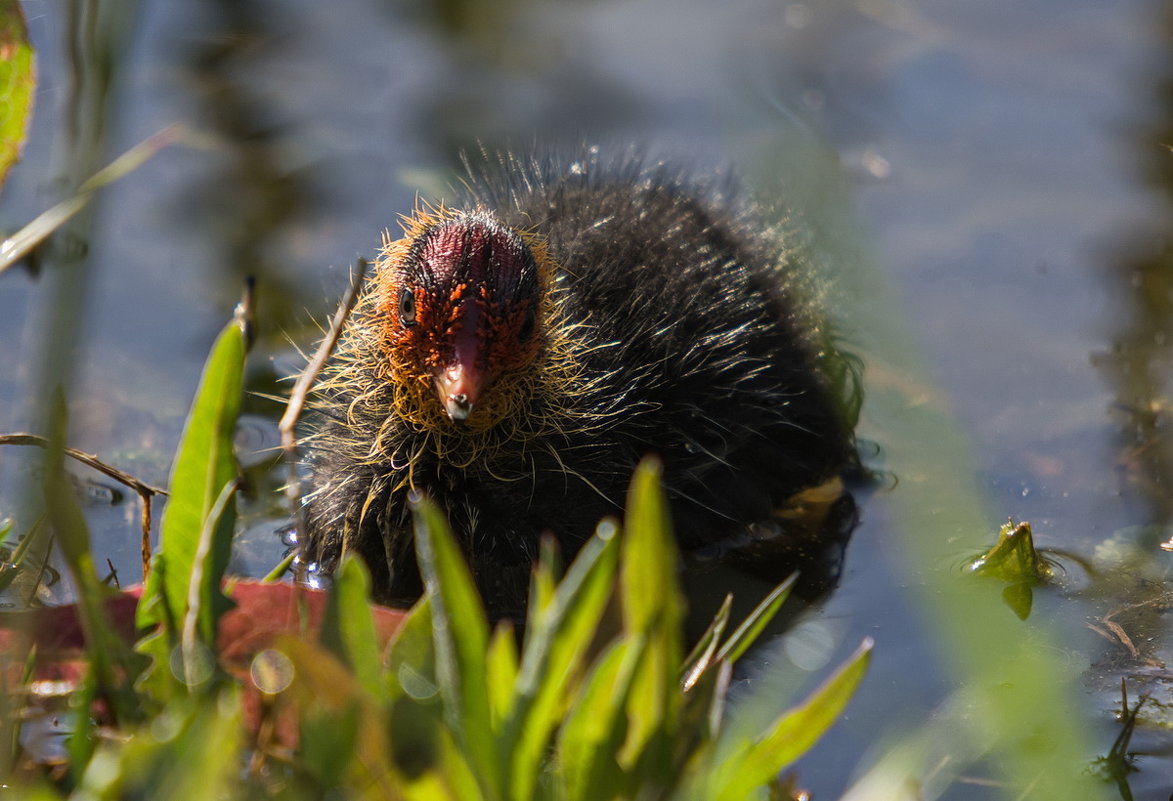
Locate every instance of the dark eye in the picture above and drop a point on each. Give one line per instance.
(527, 325)
(406, 306)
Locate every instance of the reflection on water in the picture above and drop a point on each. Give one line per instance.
(1142, 276)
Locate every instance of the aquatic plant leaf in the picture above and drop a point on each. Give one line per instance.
(544, 581)
(747, 633)
(551, 660)
(18, 79)
(335, 713)
(501, 668)
(348, 627)
(701, 656)
(461, 632)
(1020, 598)
(453, 780)
(204, 468)
(649, 583)
(596, 726)
(753, 764)
(190, 751)
(411, 656)
(14, 564)
(652, 608)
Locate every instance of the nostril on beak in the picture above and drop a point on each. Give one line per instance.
(459, 407)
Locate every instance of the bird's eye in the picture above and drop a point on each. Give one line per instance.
(407, 306)
(527, 325)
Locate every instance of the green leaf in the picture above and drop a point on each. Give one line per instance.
(18, 79)
(545, 581)
(335, 711)
(596, 726)
(751, 765)
(413, 733)
(650, 562)
(501, 667)
(740, 640)
(551, 661)
(190, 751)
(348, 627)
(652, 608)
(461, 632)
(1013, 557)
(701, 656)
(452, 780)
(204, 468)
(411, 657)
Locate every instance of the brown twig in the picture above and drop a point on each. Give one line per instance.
(145, 491)
(301, 388)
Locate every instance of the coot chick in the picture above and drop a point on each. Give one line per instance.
(515, 357)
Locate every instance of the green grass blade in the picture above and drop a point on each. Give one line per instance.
(753, 764)
(411, 657)
(192, 751)
(23, 241)
(551, 661)
(111, 661)
(204, 466)
(649, 578)
(652, 608)
(596, 726)
(701, 656)
(745, 635)
(462, 638)
(501, 670)
(348, 627)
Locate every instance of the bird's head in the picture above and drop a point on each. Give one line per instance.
(462, 303)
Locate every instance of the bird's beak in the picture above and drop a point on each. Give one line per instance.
(459, 387)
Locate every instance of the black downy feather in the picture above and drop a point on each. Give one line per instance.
(689, 342)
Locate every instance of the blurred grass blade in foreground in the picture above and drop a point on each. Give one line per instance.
(19, 244)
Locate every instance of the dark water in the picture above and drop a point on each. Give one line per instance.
(1007, 179)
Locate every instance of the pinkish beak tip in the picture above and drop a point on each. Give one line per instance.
(458, 388)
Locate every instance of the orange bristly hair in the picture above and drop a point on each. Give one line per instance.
(375, 355)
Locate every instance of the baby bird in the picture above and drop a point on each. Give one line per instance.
(515, 357)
